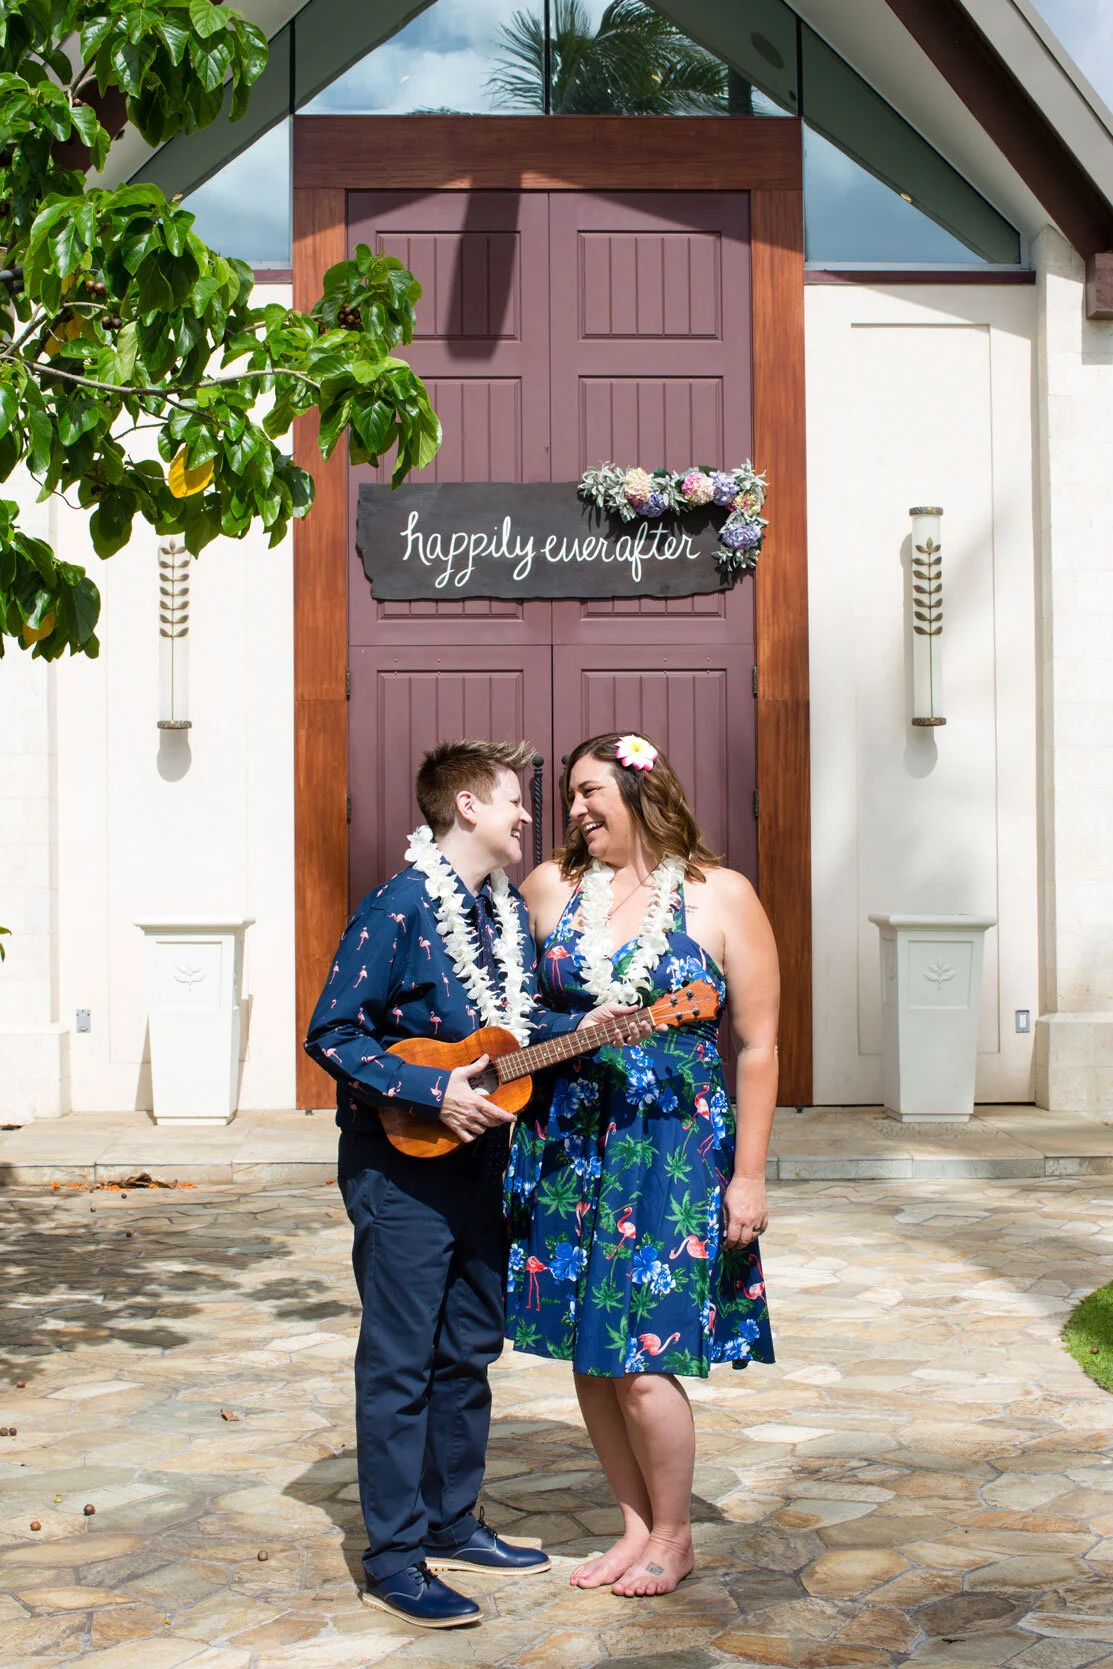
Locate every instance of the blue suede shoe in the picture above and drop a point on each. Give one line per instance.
(484, 1550)
(415, 1595)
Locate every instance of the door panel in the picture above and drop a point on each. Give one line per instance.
(398, 711)
(556, 331)
(697, 713)
(482, 347)
(651, 354)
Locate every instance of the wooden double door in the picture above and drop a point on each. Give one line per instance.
(558, 329)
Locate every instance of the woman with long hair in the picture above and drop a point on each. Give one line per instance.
(634, 1211)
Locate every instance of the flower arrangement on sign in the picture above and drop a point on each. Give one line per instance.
(630, 493)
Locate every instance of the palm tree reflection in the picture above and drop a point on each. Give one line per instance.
(635, 63)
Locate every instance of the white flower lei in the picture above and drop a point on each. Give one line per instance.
(441, 883)
(596, 959)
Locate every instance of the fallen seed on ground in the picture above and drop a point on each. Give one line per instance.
(262, 1556)
(19, 1384)
(3, 1431)
(89, 1509)
(35, 1525)
(13, 1431)
(1093, 1350)
(128, 1234)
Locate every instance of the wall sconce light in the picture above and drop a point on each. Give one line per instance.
(927, 616)
(173, 637)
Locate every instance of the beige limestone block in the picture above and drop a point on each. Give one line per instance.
(1040, 1570)
(940, 1555)
(565, 1649)
(70, 1599)
(851, 1572)
(883, 1626)
(163, 1653)
(788, 1653)
(39, 1636)
(72, 1550)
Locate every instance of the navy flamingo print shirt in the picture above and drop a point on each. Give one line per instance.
(393, 978)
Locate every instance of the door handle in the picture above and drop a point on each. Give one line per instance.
(537, 797)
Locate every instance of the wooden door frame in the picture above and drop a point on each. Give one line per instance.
(760, 155)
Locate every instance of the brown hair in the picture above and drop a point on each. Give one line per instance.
(465, 767)
(655, 800)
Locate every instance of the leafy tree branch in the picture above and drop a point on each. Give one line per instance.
(115, 315)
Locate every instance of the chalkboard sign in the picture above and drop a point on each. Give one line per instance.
(458, 539)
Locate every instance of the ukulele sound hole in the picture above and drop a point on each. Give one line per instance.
(487, 1082)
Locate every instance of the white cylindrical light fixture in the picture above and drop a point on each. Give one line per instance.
(173, 637)
(927, 616)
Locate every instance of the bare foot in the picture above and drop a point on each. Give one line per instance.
(662, 1567)
(601, 1572)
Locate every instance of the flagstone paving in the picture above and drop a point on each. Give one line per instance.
(925, 1477)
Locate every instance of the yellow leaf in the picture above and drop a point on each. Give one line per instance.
(185, 482)
(64, 333)
(35, 634)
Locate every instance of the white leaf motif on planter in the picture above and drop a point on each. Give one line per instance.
(939, 973)
(189, 974)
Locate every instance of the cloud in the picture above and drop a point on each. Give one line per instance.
(244, 211)
(441, 60)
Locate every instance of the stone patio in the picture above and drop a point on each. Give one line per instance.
(817, 1144)
(925, 1477)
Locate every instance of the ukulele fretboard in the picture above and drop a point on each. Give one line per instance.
(523, 1063)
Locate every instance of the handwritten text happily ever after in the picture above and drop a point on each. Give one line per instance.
(456, 552)
(524, 541)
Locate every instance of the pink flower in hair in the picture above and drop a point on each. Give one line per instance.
(636, 753)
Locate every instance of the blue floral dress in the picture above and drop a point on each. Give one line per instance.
(614, 1190)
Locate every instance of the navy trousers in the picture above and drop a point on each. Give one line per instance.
(429, 1254)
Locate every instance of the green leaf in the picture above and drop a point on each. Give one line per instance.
(127, 346)
(65, 247)
(206, 18)
(41, 433)
(9, 407)
(175, 37)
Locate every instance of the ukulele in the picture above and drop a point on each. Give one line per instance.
(507, 1080)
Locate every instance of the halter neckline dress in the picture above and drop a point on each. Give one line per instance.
(614, 1190)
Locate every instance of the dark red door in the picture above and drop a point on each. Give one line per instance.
(556, 330)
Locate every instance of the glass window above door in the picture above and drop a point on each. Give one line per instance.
(572, 57)
(875, 191)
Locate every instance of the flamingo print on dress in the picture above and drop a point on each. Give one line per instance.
(534, 1267)
(651, 1196)
(623, 1227)
(426, 946)
(556, 956)
(653, 1346)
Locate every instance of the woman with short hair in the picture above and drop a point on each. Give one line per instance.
(634, 1212)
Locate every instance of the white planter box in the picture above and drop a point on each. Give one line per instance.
(195, 975)
(931, 984)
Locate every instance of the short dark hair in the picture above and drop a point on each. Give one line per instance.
(465, 767)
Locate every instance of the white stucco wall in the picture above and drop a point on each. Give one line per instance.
(1075, 1033)
(34, 1047)
(151, 823)
(921, 395)
(990, 401)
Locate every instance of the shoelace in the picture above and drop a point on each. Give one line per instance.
(424, 1572)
